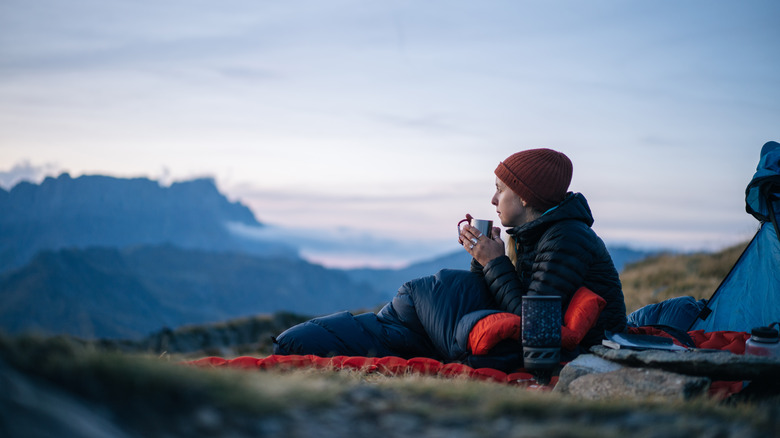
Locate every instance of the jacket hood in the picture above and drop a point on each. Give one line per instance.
(573, 207)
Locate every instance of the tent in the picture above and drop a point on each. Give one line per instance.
(749, 296)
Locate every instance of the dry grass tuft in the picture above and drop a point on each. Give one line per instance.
(674, 275)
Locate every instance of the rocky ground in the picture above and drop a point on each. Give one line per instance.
(55, 388)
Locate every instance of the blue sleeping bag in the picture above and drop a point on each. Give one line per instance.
(429, 317)
(678, 313)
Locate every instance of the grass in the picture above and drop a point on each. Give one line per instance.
(146, 389)
(673, 275)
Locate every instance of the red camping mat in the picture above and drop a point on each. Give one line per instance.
(389, 366)
(395, 366)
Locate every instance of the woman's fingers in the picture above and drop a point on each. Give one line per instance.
(467, 237)
(468, 232)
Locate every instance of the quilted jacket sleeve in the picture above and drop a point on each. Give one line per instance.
(561, 259)
(504, 284)
(476, 267)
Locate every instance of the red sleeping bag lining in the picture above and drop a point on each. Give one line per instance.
(581, 315)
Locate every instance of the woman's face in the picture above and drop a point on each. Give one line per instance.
(512, 211)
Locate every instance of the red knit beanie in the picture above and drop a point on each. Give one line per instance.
(540, 177)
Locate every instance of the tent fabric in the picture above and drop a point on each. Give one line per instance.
(765, 181)
(749, 296)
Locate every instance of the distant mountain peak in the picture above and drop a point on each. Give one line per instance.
(99, 210)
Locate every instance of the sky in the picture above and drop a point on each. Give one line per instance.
(362, 131)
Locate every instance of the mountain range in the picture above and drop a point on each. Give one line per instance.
(131, 292)
(104, 257)
(96, 210)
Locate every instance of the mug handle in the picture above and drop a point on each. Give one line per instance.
(461, 221)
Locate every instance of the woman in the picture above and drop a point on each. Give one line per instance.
(551, 249)
(457, 315)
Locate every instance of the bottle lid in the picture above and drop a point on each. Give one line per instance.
(766, 333)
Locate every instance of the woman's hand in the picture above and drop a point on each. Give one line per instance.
(482, 248)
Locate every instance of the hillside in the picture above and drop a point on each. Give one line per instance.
(129, 293)
(664, 276)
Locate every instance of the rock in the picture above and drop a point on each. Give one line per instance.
(580, 366)
(717, 365)
(638, 383)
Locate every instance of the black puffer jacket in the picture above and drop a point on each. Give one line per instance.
(557, 254)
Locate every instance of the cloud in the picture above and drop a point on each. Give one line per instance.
(345, 247)
(25, 171)
(434, 123)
